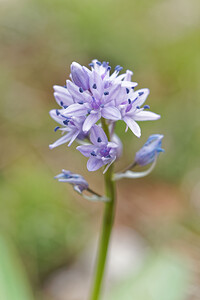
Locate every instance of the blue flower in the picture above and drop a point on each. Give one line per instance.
(78, 182)
(102, 152)
(151, 149)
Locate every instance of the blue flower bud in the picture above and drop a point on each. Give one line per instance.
(147, 154)
(78, 182)
(79, 76)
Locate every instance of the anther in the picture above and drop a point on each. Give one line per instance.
(127, 90)
(80, 102)
(80, 90)
(146, 106)
(129, 101)
(106, 93)
(93, 153)
(56, 128)
(99, 140)
(94, 86)
(140, 93)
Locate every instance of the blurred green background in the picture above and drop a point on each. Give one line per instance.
(160, 41)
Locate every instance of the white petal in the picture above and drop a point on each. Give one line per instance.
(111, 113)
(146, 116)
(90, 121)
(75, 110)
(135, 128)
(64, 139)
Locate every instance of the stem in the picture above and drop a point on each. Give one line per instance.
(108, 219)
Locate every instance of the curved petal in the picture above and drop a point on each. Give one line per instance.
(90, 121)
(86, 149)
(75, 110)
(111, 113)
(146, 116)
(64, 139)
(98, 135)
(135, 128)
(94, 164)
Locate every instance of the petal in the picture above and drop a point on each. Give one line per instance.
(146, 116)
(64, 139)
(63, 99)
(76, 110)
(94, 164)
(90, 121)
(58, 118)
(86, 149)
(135, 128)
(96, 133)
(95, 79)
(76, 94)
(140, 96)
(111, 113)
(79, 76)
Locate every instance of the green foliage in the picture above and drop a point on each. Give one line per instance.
(36, 211)
(13, 282)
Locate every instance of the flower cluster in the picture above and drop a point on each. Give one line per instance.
(93, 95)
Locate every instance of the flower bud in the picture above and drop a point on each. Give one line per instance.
(147, 154)
(79, 76)
(78, 182)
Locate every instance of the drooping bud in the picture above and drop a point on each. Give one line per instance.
(147, 154)
(78, 182)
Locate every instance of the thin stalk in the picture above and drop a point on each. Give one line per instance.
(107, 223)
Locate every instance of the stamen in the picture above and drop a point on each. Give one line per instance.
(80, 102)
(146, 106)
(99, 140)
(89, 111)
(102, 105)
(129, 101)
(93, 153)
(65, 106)
(127, 90)
(137, 107)
(98, 63)
(65, 86)
(91, 65)
(66, 122)
(56, 128)
(109, 68)
(118, 68)
(108, 156)
(80, 90)
(61, 103)
(104, 64)
(140, 93)
(57, 112)
(94, 86)
(106, 93)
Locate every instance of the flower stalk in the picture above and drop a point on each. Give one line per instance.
(108, 218)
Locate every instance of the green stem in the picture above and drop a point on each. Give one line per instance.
(108, 219)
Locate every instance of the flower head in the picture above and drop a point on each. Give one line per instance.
(147, 154)
(102, 152)
(78, 182)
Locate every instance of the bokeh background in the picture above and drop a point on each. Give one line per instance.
(46, 230)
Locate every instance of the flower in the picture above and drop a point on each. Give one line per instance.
(71, 126)
(148, 153)
(78, 182)
(131, 110)
(95, 92)
(102, 152)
